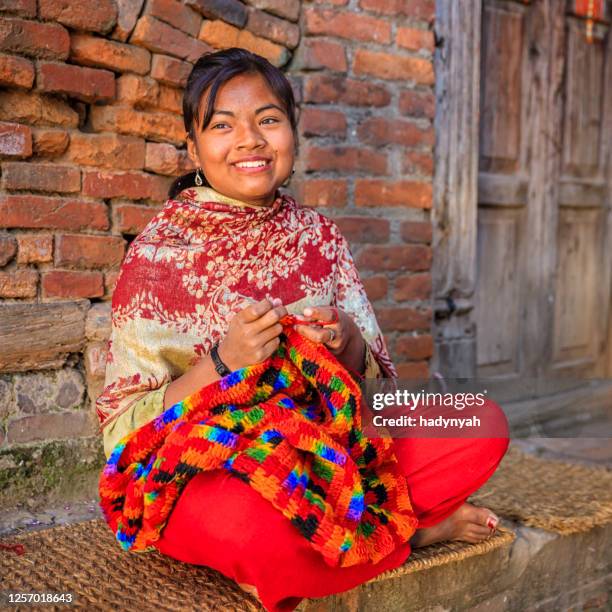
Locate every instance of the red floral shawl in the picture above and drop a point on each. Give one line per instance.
(197, 263)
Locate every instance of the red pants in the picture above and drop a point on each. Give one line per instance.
(221, 522)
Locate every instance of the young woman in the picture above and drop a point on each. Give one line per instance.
(202, 292)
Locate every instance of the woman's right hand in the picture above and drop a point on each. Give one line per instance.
(253, 334)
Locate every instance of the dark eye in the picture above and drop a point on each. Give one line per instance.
(270, 118)
(218, 124)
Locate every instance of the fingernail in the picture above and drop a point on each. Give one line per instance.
(277, 302)
(307, 312)
(492, 521)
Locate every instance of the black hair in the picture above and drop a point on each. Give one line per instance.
(212, 70)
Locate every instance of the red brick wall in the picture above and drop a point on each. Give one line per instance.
(91, 136)
(366, 73)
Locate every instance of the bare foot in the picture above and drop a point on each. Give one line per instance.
(467, 524)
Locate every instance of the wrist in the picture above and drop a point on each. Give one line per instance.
(220, 362)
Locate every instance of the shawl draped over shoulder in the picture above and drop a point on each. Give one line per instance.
(198, 262)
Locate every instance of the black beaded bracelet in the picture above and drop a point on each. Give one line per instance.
(220, 367)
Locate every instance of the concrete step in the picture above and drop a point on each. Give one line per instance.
(539, 570)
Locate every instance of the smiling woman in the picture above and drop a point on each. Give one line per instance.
(230, 412)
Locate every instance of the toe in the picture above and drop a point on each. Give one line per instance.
(486, 518)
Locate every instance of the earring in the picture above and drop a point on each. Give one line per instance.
(198, 178)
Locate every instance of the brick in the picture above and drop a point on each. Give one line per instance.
(414, 347)
(95, 51)
(393, 258)
(346, 159)
(403, 318)
(221, 35)
(416, 9)
(322, 192)
(48, 142)
(288, 9)
(412, 287)
(23, 8)
(346, 24)
(170, 70)
(415, 40)
(72, 284)
(380, 131)
(132, 185)
(137, 91)
(417, 104)
(99, 16)
(36, 109)
(15, 140)
(417, 162)
(315, 54)
(8, 248)
(364, 229)
(87, 84)
(167, 160)
(127, 16)
(34, 39)
(416, 231)
(170, 99)
(176, 14)
(40, 177)
(160, 37)
(34, 248)
(16, 72)
(393, 66)
(107, 151)
(327, 89)
(29, 211)
(51, 426)
(82, 251)
(413, 370)
(274, 28)
(95, 357)
(131, 219)
(376, 287)
(165, 127)
(98, 322)
(318, 122)
(232, 11)
(18, 284)
(393, 193)
(110, 282)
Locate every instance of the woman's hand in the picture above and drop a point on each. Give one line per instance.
(344, 341)
(335, 336)
(252, 335)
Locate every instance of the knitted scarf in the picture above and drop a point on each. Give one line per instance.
(289, 427)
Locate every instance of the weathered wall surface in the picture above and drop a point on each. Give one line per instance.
(91, 135)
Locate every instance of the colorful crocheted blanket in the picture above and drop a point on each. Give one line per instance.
(290, 427)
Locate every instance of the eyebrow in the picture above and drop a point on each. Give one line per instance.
(259, 110)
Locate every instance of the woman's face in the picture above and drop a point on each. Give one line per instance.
(248, 123)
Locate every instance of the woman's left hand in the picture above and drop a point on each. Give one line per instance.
(337, 336)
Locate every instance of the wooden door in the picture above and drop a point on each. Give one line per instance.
(544, 236)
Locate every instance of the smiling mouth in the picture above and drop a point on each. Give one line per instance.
(257, 166)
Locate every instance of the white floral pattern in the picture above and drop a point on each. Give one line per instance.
(200, 261)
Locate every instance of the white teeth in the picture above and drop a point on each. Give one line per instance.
(253, 164)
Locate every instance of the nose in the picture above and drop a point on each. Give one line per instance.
(249, 136)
